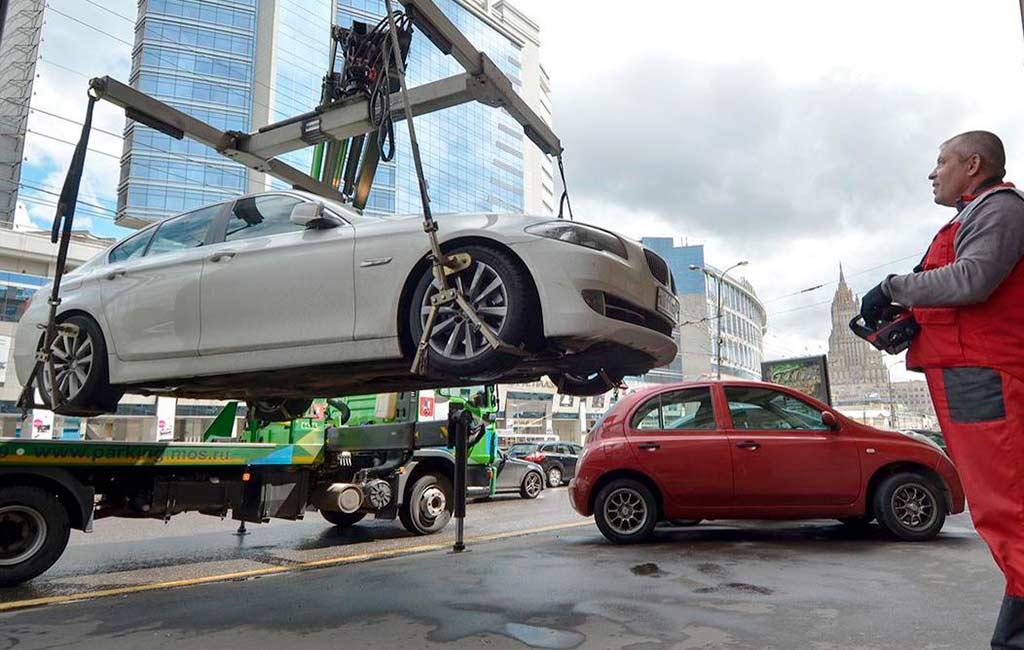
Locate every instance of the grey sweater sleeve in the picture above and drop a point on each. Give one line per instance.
(989, 243)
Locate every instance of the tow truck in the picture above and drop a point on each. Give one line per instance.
(48, 487)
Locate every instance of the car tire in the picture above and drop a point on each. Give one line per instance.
(495, 282)
(280, 410)
(428, 505)
(34, 531)
(554, 476)
(342, 519)
(910, 507)
(89, 389)
(532, 485)
(595, 383)
(626, 511)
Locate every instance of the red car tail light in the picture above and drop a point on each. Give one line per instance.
(535, 458)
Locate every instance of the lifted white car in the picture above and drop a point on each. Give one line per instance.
(254, 299)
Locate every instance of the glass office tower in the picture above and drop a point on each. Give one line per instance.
(240, 64)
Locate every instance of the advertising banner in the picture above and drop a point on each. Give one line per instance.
(809, 375)
(165, 410)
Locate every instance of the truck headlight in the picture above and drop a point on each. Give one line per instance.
(581, 235)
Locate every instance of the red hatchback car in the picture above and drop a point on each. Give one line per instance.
(752, 450)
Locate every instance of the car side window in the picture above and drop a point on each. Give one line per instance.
(182, 232)
(259, 216)
(132, 247)
(549, 448)
(681, 410)
(564, 449)
(753, 407)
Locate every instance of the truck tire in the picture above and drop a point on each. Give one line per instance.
(342, 519)
(34, 531)
(428, 505)
(910, 507)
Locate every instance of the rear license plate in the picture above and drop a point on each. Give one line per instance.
(668, 304)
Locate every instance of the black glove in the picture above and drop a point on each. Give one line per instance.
(874, 305)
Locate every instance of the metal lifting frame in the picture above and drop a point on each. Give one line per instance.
(483, 81)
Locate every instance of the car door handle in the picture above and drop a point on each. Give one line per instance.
(221, 255)
(749, 444)
(649, 446)
(117, 273)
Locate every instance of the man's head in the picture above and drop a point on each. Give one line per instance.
(965, 162)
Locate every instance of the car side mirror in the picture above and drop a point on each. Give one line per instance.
(828, 418)
(311, 215)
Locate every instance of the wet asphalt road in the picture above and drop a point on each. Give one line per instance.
(775, 585)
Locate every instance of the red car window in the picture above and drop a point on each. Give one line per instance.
(753, 407)
(679, 410)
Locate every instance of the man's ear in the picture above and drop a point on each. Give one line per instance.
(973, 165)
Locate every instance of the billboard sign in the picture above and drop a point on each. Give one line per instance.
(809, 375)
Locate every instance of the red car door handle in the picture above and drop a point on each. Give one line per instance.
(650, 446)
(749, 444)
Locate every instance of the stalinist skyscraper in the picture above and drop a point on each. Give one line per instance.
(855, 367)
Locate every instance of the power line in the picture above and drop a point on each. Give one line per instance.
(92, 27)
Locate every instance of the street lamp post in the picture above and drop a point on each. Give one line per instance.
(718, 312)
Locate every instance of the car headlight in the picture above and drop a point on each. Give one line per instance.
(914, 435)
(581, 235)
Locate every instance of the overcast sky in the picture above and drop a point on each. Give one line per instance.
(793, 134)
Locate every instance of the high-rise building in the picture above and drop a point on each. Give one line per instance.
(743, 318)
(856, 369)
(240, 64)
(21, 24)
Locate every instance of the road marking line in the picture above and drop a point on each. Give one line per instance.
(311, 564)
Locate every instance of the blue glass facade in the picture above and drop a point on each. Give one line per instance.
(201, 56)
(198, 57)
(679, 259)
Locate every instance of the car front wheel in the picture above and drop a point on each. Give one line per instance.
(626, 511)
(532, 485)
(499, 292)
(910, 507)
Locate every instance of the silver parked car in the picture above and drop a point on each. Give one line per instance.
(283, 295)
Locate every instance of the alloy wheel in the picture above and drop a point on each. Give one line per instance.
(914, 506)
(454, 335)
(533, 484)
(625, 511)
(22, 533)
(72, 354)
(554, 477)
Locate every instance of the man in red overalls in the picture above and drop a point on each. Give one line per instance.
(968, 297)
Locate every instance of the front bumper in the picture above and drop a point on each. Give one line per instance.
(566, 271)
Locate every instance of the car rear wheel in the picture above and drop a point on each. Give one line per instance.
(280, 410)
(532, 485)
(585, 385)
(80, 366)
(626, 511)
(910, 507)
(554, 477)
(499, 292)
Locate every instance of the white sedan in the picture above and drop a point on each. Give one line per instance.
(282, 296)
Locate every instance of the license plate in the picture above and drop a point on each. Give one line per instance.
(668, 304)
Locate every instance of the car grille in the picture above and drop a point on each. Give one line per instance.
(626, 311)
(658, 267)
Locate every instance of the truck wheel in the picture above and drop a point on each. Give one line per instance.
(428, 505)
(532, 485)
(343, 519)
(499, 291)
(626, 511)
(34, 530)
(909, 507)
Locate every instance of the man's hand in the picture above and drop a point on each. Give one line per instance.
(874, 304)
